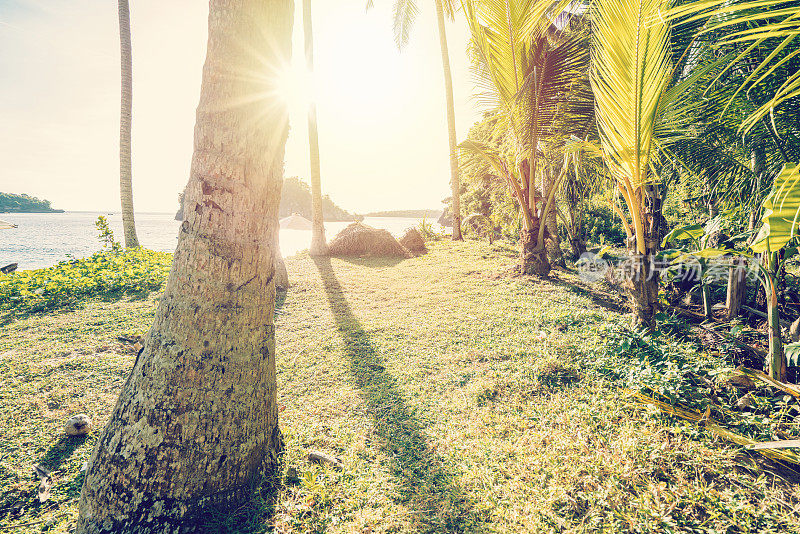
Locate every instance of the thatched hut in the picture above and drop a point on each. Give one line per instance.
(295, 222)
(358, 239)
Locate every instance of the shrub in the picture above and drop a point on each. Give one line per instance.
(603, 227)
(105, 274)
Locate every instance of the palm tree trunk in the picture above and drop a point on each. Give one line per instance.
(196, 421)
(554, 253)
(533, 257)
(455, 184)
(737, 287)
(126, 106)
(642, 283)
(776, 361)
(319, 246)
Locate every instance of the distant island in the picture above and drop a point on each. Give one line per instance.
(415, 214)
(11, 203)
(296, 198)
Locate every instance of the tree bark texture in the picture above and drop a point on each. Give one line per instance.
(125, 120)
(642, 283)
(455, 182)
(737, 287)
(533, 259)
(319, 246)
(196, 421)
(554, 253)
(776, 360)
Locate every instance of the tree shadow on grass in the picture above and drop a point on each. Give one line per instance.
(60, 451)
(610, 302)
(425, 485)
(372, 262)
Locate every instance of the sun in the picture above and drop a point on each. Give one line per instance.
(294, 86)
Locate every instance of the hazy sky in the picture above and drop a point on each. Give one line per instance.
(383, 136)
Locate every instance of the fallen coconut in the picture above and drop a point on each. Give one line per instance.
(78, 425)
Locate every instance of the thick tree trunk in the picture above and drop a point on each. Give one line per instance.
(642, 284)
(554, 253)
(737, 287)
(126, 113)
(196, 421)
(577, 245)
(532, 260)
(455, 183)
(319, 246)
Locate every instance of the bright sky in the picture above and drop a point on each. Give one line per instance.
(383, 136)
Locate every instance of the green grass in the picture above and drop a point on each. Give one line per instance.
(459, 401)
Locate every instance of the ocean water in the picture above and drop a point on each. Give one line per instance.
(44, 239)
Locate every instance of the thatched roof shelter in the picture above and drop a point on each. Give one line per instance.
(295, 222)
(358, 239)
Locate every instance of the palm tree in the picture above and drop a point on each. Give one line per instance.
(319, 247)
(405, 13)
(196, 423)
(631, 70)
(125, 171)
(528, 70)
(755, 24)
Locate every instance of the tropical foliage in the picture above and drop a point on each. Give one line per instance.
(104, 274)
(11, 203)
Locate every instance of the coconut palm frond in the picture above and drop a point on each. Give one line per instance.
(754, 24)
(631, 69)
(501, 35)
(405, 13)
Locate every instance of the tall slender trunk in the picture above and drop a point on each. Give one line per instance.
(196, 421)
(126, 107)
(758, 166)
(776, 360)
(319, 246)
(455, 183)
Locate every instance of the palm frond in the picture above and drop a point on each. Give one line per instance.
(405, 13)
(754, 23)
(631, 69)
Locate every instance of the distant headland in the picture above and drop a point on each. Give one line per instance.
(296, 198)
(11, 203)
(430, 214)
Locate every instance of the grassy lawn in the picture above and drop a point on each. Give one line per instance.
(457, 400)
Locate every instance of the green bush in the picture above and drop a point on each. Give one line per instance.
(603, 227)
(105, 274)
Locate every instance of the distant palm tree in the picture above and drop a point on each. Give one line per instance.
(125, 172)
(405, 12)
(319, 247)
